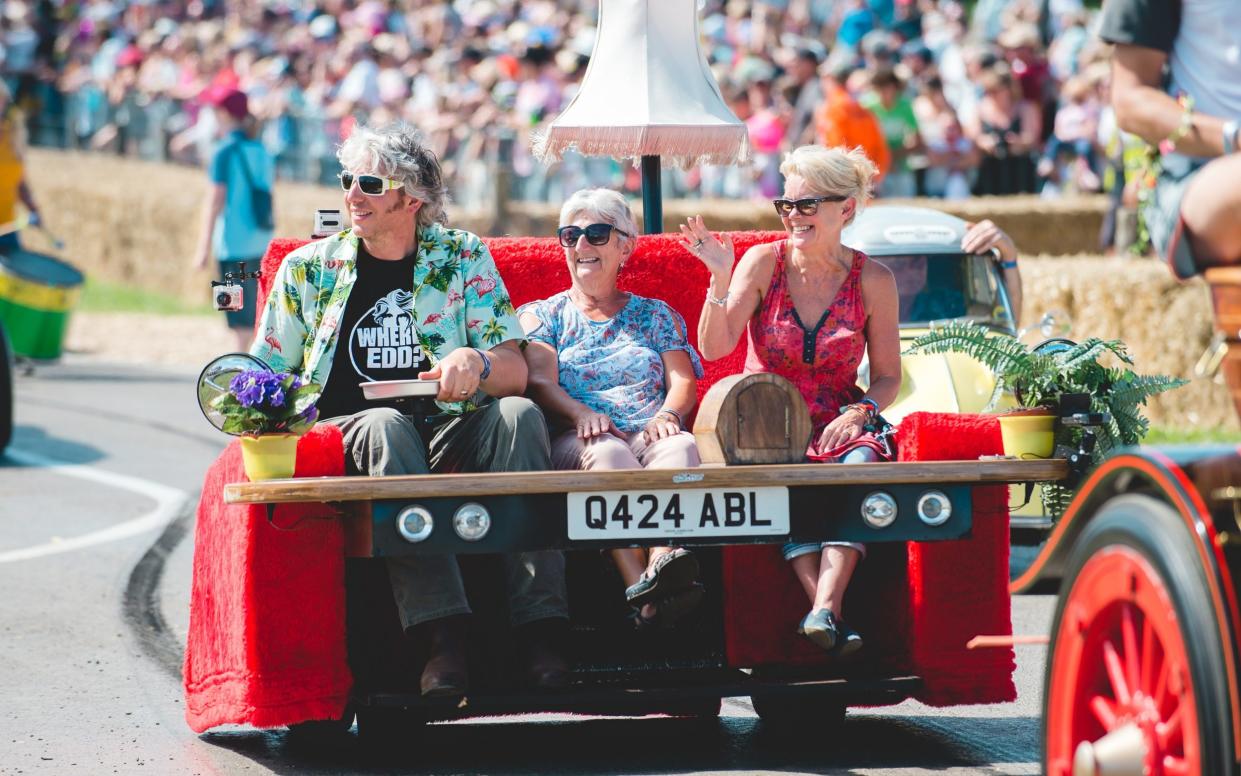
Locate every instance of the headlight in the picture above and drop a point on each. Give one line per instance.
(414, 523)
(471, 522)
(879, 510)
(934, 508)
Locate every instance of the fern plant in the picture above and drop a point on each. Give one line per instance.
(1039, 376)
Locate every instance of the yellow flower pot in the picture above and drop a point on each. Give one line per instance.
(270, 456)
(1028, 436)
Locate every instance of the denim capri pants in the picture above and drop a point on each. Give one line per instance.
(795, 549)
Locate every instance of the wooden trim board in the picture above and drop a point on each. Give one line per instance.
(320, 489)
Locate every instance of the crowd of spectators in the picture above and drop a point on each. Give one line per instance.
(1007, 98)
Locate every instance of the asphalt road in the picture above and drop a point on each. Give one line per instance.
(96, 524)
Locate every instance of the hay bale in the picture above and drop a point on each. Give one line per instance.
(1165, 324)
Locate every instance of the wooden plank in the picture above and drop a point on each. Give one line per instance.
(518, 483)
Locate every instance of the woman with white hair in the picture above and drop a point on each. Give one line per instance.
(616, 378)
(811, 308)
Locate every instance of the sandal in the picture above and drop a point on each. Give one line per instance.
(671, 573)
(669, 611)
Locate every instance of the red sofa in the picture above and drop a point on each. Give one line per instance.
(267, 646)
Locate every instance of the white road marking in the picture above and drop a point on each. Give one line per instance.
(168, 502)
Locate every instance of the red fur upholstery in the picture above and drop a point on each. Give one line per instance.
(267, 613)
(266, 642)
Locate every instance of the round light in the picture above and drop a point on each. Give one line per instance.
(414, 524)
(934, 508)
(471, 522)
(879, 510)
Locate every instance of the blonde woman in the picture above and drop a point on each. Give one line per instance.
(615, 375)
(811, 308)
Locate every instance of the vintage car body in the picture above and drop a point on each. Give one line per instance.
(270, 573)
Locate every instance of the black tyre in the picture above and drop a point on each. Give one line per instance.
(6, 390)
(793, 711)
(385, 727)
(1135, 647)
(321, 731)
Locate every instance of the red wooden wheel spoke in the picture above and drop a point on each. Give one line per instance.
(1116, 674)
(1104, 711)
(1169, 730)
(1161, 686)
(1129, 639)
(1148, 656)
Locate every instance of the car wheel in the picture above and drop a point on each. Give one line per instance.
(387, 726)
(1136, 677)
(798, 711)
(322, 730)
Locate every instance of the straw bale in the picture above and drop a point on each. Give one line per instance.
(1165, 324)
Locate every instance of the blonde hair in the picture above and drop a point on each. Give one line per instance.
(836, 170)
(605, 204)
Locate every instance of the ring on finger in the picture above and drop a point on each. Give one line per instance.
(697, 244)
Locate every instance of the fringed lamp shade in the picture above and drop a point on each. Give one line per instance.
(648, 92)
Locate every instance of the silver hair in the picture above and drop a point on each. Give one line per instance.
(397, 151)
(605, 204)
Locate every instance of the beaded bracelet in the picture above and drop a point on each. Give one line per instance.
(1168, 144)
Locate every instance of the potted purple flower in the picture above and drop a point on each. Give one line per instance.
(269, 411)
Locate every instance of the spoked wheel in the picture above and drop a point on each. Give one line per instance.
(1136, 679)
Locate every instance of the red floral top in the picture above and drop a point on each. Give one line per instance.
(822, 360)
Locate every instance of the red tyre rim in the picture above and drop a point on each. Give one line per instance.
(1120, 659)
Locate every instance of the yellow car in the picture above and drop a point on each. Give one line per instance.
(938, 282)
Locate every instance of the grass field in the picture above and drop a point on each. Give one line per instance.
(1163, 435)
(100, 296)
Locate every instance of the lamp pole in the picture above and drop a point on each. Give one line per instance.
(652, 196)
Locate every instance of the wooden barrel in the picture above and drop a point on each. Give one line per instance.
(750, 419)
(1225, 285)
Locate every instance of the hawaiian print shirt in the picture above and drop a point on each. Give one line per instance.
(459, 301)
(614, 366)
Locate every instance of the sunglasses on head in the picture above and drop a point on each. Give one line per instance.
(371, 185)
(807, 207)
(596, 234)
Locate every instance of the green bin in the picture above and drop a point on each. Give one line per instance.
(36, 294)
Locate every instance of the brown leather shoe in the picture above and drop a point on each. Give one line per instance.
(543, 663)
(445, 673)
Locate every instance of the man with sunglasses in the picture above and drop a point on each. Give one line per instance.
(399, 296)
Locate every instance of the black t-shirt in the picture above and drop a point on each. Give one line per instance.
(1147, 23)
(378, 336)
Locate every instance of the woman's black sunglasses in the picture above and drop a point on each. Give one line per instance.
(596, 234)
(371, 185)
(807, 207)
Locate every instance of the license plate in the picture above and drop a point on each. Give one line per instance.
(629, 514)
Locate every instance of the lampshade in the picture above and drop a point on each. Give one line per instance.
(648, 92)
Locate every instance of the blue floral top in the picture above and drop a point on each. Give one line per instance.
(613, 366)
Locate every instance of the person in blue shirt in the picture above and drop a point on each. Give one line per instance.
(616, 378)
(236, 223)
